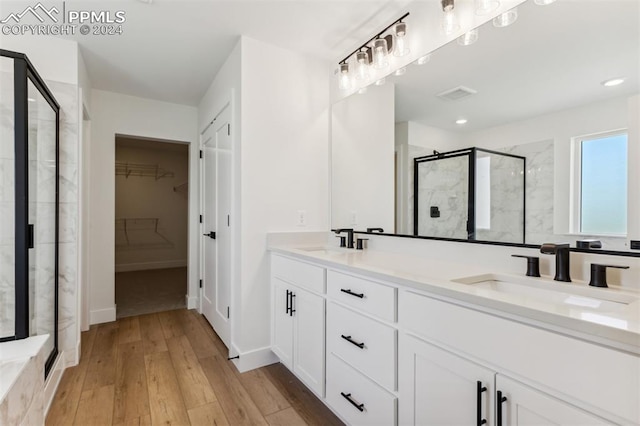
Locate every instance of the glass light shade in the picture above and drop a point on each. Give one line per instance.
(506, 19)
(468, 38)
(543, 2)
(423, 59)
(362, 65)
(380, 53)
(484, 7)
(400, 31)
(400, 71)
(450, 22)
(344, 82)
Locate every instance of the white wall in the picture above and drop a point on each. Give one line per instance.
(362, 167)
(281, 135)
(112, 114)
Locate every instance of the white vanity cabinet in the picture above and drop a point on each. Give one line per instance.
(298, 319)
(447, 349)
(361, 349)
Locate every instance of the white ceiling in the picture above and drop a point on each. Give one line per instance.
(172, 49)
(553, 58)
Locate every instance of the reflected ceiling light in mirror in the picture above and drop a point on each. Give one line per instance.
(400, 71)
(461, 121)
(400, 32)
(613, 82)
(449, 20)
(469, 38)
(380, 82)
(423, 59)
(344, 77)
(380, 53)
(506, 19)
(543, 2)
(362, 64)
(484, 7)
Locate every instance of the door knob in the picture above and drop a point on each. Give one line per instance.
(211, 235)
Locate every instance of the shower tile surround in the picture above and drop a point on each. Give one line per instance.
(67, 96)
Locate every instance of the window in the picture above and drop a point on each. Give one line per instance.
(602, 177)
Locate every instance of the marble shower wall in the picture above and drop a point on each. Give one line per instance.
(539, 187)
(7, 203)
(506, 199)
(444, 183)
(43, 207)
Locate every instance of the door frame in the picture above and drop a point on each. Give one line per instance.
(228, 102)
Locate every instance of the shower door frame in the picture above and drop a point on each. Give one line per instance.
(472, 153)
(23, 73)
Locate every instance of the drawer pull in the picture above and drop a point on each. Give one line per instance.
(348, 339)
(348, 291)
(479, 420)
(501, 399)
(347, 396)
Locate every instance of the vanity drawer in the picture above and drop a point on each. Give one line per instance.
(357, 399)
(365, 344)
(368, 296)
(299, 273)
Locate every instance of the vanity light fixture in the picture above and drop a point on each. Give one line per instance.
(363, 60)
(380, 53)
(468, 38)
(505, 19)
(543, 2)
(484, 7)
(461, 121)
(613, 82)
(400, 32)
(449, 20)
(345, 79)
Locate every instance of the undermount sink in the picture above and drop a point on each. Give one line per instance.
(542, 290)
(322, 250)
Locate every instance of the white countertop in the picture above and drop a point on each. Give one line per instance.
(617, 328)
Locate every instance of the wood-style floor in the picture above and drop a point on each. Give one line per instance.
(170, 368)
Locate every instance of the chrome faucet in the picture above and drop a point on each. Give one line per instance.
(562, 253)
(349, 232)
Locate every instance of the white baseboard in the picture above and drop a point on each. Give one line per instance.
(102, 315)
(53, 381)
(145, 266)
(253, 359)
(192, 302)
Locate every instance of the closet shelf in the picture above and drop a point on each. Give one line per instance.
(140, 233)
(142, 170)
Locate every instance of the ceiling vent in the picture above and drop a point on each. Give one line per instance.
(456, 93)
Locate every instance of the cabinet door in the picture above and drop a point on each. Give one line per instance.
(439, 388)
(525, 406)
(282, 323)
(309, 338)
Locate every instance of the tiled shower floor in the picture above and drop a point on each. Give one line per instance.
(145, 292)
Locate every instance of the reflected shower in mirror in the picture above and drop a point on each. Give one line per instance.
(537, 89)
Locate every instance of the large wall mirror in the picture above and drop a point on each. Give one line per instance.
(519, 138)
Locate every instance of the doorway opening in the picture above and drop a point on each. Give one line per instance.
(151, 228)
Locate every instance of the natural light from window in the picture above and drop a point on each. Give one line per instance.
(603, 201)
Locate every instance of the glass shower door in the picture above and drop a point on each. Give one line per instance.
(42, 236)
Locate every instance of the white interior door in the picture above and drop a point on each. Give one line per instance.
(216, 224)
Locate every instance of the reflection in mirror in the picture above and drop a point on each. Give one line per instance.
(535, 89)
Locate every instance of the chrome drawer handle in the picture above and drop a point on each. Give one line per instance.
(347, 396)
(348, 291)
(348, 339)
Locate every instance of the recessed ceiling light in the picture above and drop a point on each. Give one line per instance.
(543, 2)
(461, 121)
(468, 38)
(613, 82)
(31, 99)
(505, 19)
(380, 82)
(400, 71)
(423, 59)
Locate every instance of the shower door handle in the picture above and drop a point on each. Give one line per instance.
(30, 236)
